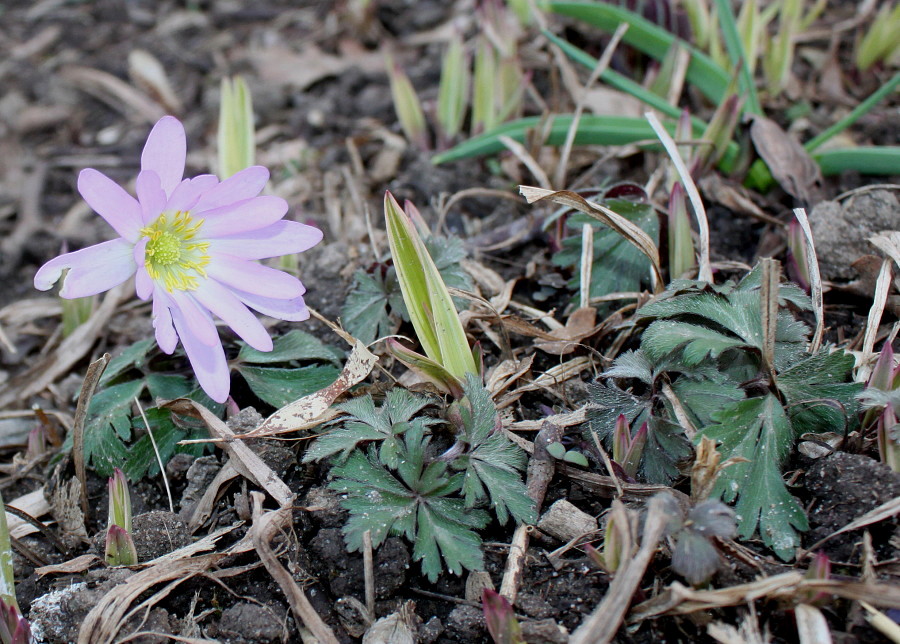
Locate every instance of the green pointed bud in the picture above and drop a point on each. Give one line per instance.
(453, 92)
(75, 312)
(431, 309)
(236, 138)
(882, 377)
(120, 550)
(681, 242)
(635, 452)
(719, 133)
(119, 501)
(888, 438)
(621, 439)
(407, 106)
(613, 548)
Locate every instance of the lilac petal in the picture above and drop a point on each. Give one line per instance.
(185, 196)
(245, 184)
(196, 317)
(166, 337)
(229, 308)
(143, 283)
(151, 195)
(281, 238)
(110, 201)
(241, 216)
(208, 362)
(253, 278)
(165, 151)
(293, 310)
(92, 270)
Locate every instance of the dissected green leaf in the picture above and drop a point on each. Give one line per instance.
(818, 395)
(618, 266)
(294, 345)
(365, 310)
(417, 504)
(493, 462)
(107, 426)
(279, 386)
(666, 445)
(696, 342)
(368, 424)
(758, 430)
(132, 356)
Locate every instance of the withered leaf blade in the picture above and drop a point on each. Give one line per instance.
(789, 162)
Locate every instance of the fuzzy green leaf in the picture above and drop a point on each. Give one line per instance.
(365, 311)
(696, 342)
(416, 505)
(618, 266)
(818, 396)
(368, 424)
(493, 462)
(758, 430)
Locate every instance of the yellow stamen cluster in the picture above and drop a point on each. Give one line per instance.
(171, 256)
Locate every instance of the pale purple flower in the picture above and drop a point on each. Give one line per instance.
(192, 245)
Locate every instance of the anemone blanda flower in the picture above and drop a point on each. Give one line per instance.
(192, 245)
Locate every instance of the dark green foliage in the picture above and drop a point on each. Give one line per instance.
(491, 462)
(700, 356)
(618, 266)
(279, 386)
(397, 483)
(419, 501)
(367, 424)
(374, 294)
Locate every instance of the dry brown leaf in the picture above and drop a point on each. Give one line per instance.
(283, 66)
(34, 504)
(812, 628)
(791, 165)
(114, 92)
(73, 566)
(149, 74)
(579, 326)
(312, 410)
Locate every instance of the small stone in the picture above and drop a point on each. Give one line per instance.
(246, 622)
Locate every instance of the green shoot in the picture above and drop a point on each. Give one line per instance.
(880, 42)
(407, 106)
(428, 302)
(681, 243)
(7, 577)
(236, 144)
(120, 550)
(76, 312)
(453, 92)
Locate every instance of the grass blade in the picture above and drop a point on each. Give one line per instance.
(738, 56)
(703, 72)
(884, 160)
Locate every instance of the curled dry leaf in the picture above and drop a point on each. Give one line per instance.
(790, 164)
(579, 326)
(150, 75)
(313, 409)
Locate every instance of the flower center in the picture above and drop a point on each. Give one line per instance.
(172, 257)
